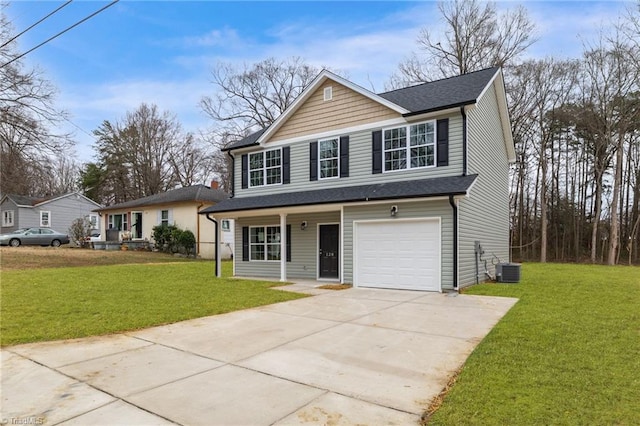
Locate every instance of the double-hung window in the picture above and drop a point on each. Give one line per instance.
(7, 218)
(45, 219)
(264, 242)
(409, 147)
(164, 217)
(265, 168)
(329, 156)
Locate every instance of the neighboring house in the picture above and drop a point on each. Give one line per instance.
(137, 218)
(56, 212)
(405, 189)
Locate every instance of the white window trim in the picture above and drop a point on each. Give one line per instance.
(48, 222)
(264, 168)
(94, 221)
(337, 138)
(408, 147)
(162, 220)
(328, 93)
(8, 214)
(111, 222)
(265, 244)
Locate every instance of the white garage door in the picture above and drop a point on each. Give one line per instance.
(399, 254)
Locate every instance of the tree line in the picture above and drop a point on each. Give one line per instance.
(575, 185)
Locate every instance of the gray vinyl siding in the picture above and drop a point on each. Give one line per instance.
(408, 210)
(360, 157)
(63, 212)
(484, 215)
(304, 246)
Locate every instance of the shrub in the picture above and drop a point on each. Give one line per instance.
(79, 231)
(171, 239)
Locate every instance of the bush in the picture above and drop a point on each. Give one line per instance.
(79, 231)
(171, 239)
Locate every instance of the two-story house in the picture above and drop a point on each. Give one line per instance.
(406, 189)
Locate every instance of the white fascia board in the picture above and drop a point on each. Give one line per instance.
(311, 88)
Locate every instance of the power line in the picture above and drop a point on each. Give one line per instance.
(55, 11)
(60, 33)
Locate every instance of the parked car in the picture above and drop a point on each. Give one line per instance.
(93, 236)
(34, 237)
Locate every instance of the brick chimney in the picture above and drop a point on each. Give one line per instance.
(214, 184)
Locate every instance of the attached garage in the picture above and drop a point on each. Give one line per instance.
(398, 254)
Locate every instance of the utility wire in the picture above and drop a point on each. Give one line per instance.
(15, 37)
(59, 34)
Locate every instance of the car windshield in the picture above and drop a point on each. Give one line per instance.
(21, 230)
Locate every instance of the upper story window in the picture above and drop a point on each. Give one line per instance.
(328, 157)
(411, 146)
(7, 218)
(265, 168)
(45, 218)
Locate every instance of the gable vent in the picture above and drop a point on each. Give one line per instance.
(328, 93)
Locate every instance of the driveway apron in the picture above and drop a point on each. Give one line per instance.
(354, 356)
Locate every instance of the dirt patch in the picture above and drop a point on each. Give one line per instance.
(335, 286)
(437, 401)
(16, 258)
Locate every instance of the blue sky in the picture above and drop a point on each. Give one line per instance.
(162, 52)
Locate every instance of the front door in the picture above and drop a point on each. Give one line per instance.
(329, 250)
(136, 226)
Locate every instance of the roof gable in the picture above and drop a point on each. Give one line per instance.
(346, 107)
(29, 201)
(316, 88)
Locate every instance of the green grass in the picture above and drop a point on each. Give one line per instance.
(567, 353)
(61, 303)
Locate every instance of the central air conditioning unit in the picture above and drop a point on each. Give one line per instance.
(508, 272)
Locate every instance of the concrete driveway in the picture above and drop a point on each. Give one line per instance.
(342, 357)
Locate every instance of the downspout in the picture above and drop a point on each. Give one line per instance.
(198, 229)
(464, 141)
(454, 207)
(215, 251)
(233, 170)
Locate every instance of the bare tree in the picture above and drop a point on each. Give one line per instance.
(255, 96)
(476, 36)
(192, 163)
(28, 116)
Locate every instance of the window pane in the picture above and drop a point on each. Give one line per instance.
(273, 251)
(273, 158)
(273, 176)
(257, 235)
(329, 149)
(256, 178)
(257, 252)
(273, 234)
(255, 161)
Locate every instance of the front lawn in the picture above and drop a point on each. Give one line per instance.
(567, 353)
(61, 303)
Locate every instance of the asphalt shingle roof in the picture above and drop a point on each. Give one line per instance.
(434, 187)
(441, 94)
(432, 96)
(189, 193)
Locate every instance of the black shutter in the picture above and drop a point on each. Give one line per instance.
(245, 243)
(288, 243)
(313, 161)
(344, 156)
(443, 142)
(377, 151)
(286, 165)
(245, 171)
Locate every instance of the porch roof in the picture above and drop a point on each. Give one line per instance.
(434, 187)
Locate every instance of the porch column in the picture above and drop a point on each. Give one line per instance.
(283, 246)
